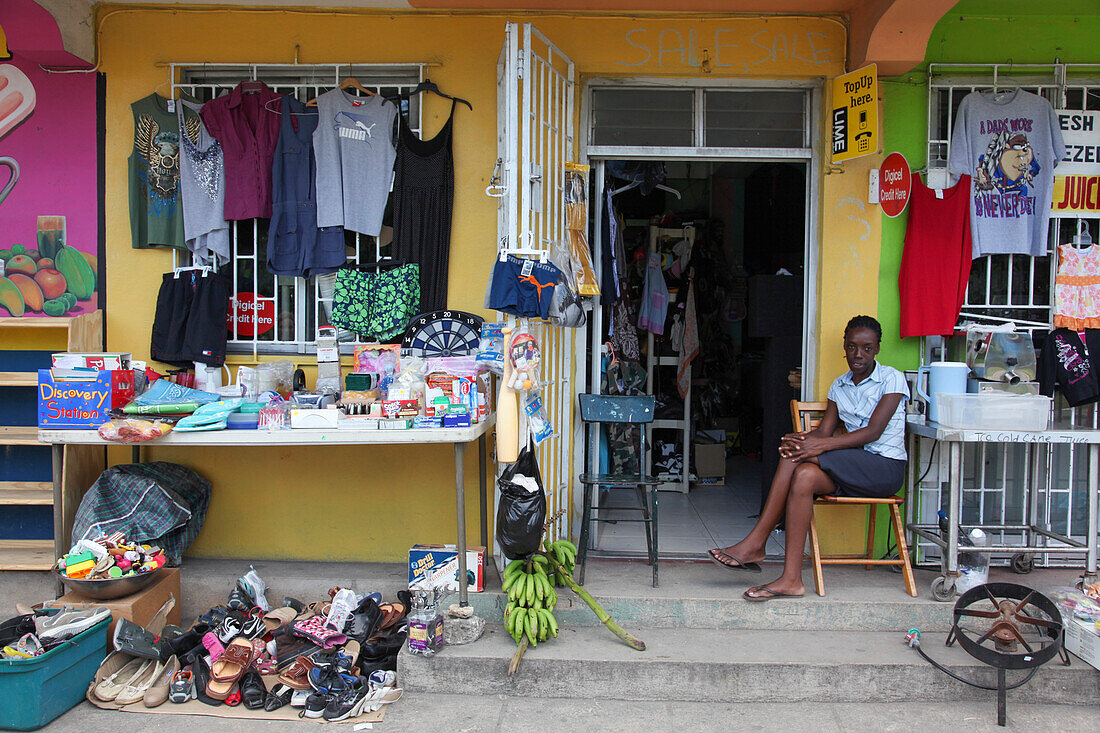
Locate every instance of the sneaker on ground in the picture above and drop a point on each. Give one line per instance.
(68, 622)
(349, 703)
(315, 705)
(252, 584)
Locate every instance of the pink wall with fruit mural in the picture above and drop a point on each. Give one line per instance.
(49, 203)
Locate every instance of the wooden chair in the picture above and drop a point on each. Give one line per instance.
(807, 416)
(622, 409)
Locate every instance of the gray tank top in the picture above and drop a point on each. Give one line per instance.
(202, 188)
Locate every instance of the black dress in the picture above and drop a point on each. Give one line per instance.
(423, 203)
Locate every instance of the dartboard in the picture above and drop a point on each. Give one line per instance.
(442, 333)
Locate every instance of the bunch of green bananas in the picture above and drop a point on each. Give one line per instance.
(565, 552)
(531, 600)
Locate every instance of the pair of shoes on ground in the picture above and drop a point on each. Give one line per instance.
(356, 696)
(68, 622)
(148, 681)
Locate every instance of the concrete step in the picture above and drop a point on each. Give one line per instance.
(691, 595)
(703, 596)
(709, 665)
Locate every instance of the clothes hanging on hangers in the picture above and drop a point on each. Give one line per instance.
(423, 205)
(653, 308)
(247, 133)
(202, 189)
(189, 322)
(1077, 284)
(429, 86)
(296, 246)
(355, 155)
(156, 216)
(1009, 143)
(1064, 362)
(935, 263)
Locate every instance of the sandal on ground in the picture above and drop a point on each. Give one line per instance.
(229, 668)
(761, 593)
(279, 618)
(716, 556)
(392, 613)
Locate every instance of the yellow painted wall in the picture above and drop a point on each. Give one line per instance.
(348, 503)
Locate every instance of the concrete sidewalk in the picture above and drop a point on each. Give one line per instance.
(429, 713)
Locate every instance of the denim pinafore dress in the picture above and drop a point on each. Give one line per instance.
(295, 245)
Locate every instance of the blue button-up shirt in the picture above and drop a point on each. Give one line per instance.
(856, 402)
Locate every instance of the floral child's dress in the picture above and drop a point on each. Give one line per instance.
(1077, 288)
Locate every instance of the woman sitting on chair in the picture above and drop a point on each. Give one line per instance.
(868, 460)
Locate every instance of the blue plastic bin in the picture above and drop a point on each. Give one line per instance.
(35, 691)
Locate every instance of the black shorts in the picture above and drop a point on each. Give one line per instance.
(189, 324)
(858, 472)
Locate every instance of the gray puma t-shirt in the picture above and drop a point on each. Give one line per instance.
(355, 154)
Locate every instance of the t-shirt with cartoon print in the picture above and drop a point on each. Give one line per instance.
(355, 154)
(1009, 144)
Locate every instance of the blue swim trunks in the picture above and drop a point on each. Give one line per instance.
(523, 287)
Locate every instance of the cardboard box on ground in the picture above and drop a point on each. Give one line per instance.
(435, 565)
(710, 454)
(140, 607)
(1081, 639)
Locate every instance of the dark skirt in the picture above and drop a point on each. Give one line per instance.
(858, 472)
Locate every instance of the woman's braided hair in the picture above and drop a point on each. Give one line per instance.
(864, 322)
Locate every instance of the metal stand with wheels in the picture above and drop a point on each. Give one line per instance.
(1035, 536)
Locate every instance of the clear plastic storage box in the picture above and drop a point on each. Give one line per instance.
(993, 411)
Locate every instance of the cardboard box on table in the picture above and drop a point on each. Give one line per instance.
(82, 403)
(140, 607)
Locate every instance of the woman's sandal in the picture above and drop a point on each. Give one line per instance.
(716, 556)
(761, 593)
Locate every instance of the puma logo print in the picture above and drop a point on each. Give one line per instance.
(353, 127)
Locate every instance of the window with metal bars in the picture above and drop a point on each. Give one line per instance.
(1015, 288)
(298, 306)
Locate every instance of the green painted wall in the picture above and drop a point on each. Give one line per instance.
(975, 31)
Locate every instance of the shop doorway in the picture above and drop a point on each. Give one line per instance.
(736, 234)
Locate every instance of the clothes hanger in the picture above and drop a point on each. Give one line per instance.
(1083, 238)
(352, 83)
(429, 86)
(635, 184)
(279, 102)
(376, 266)
(206, 270)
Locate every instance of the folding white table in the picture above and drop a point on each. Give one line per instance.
(458, 437)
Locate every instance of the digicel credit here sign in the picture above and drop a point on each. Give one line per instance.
(855, 114)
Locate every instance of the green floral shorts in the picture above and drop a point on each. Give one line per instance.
(378, 305)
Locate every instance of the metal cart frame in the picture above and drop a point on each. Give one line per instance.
(943, 588)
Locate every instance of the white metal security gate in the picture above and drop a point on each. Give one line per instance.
(535, 98)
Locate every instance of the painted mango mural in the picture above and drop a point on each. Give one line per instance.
(49, 214)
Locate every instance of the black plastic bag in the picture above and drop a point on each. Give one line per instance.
(520, 513)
